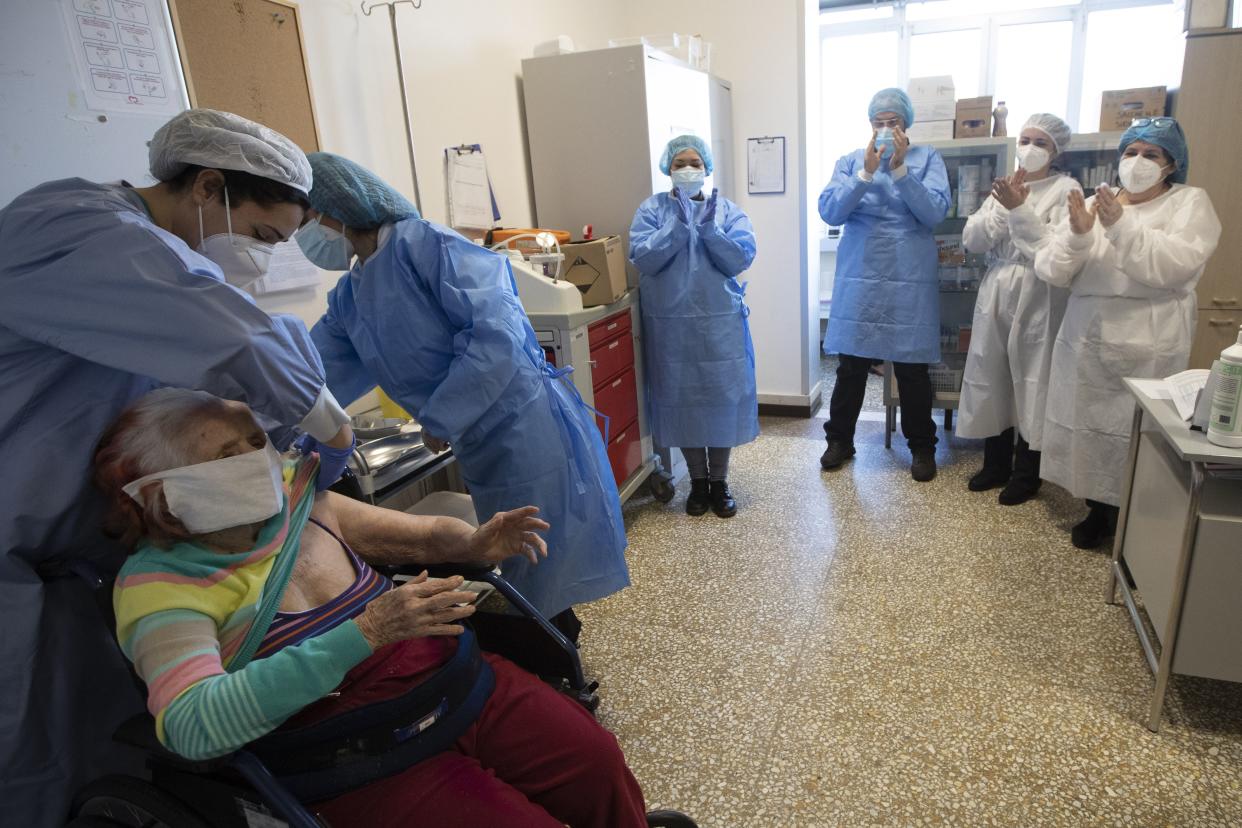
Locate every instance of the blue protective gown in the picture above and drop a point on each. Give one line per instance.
(886, 296)
(435, 321)
(698, 353)
(97, 307)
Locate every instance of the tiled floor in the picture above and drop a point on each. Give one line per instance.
(858, 649)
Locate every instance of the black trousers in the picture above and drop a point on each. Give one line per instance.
(914, 389)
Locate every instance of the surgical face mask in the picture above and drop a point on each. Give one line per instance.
(1032, 158)
(219, 494)
(242, 259)
(325, 247)
(884, 140)
(689, 180)
(1138, 174)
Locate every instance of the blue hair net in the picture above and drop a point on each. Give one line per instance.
(353, 194)
(685, 142)
(1170, 138)
(892, 100)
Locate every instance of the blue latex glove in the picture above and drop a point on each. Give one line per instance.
(687, 209)
(709, 212)
(332, 461)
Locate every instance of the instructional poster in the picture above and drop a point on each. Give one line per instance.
(124, 56)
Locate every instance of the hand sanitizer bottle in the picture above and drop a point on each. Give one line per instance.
(1225, 423)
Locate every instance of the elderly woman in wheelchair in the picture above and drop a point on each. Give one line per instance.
(251, 609)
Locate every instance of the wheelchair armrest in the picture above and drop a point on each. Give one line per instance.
(445, 570)
(139, 732)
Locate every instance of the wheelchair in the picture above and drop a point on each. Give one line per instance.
(239, 790)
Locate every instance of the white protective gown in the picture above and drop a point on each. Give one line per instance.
(1017, 315)
(1131, 313)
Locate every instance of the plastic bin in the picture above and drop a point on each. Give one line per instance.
(945, 380)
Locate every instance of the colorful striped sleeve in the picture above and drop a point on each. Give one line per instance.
(203, 711)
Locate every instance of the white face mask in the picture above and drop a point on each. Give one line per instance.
(1139, 174)
(242, 259)
(1032, 158)
(689, 180)
(235, 491)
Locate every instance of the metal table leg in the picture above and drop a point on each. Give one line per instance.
(890, 425)
(1169, 642)
(1119, 539)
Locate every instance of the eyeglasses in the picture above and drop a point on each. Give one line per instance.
(1159, 123)
(891, 123)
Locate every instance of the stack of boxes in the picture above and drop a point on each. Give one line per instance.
(935, 107)
(974, 118)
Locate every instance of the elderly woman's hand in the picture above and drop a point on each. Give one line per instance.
(419, 608)
(1082, 217)
(508, 534)
(1108, 208)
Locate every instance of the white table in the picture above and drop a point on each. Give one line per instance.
(1179, 536)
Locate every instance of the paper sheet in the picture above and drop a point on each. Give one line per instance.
(123, 55)
(1184, 390)
(765, 165)
(1156, 389)
(469, 189)
(288, 270)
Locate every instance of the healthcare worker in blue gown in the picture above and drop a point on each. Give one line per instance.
(106, 292)
(689, 250)
(885, 298)
(436, 322)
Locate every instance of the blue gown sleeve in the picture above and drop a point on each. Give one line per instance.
(843, 194)
(120, 296)
(656, 239)
(927, 196)
(730, 243)
(474, 287)
(348, 378)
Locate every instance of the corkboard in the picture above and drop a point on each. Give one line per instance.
(248, 57)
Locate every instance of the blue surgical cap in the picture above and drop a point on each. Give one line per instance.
(685, 142)
(353, 194)
(892, 100)
(1170, 138)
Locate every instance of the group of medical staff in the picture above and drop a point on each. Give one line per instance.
(1080, 292)
(110, 290)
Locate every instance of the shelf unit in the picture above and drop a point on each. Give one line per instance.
(1092, 159)
(972, 162)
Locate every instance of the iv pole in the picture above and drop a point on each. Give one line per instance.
(405, 106)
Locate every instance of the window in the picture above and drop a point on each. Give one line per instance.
(1033, 69)
(1127, 48)
(949, 53)
(844, 127)
(1053, 56)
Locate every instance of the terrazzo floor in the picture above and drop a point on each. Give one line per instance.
(858, 649)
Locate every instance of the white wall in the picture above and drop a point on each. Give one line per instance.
(759, 49)
(463, 64)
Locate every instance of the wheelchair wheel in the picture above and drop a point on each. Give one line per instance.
(661, 488)
(669, 819)
(130, 802)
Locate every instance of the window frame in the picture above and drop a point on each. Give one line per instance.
(989, 26)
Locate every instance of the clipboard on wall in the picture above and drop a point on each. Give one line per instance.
(765, 165)
(471, 200)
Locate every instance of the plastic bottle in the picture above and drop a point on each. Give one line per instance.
(998, 120)
(1225, 423)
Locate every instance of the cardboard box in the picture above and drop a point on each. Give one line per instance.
(974, 118)
(1118, 107)
(924, 132)
(597, 267)
(933, 97)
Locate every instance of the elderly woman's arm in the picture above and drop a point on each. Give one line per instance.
(202, 711)
(388, 536)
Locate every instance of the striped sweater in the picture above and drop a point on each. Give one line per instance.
(191, 619)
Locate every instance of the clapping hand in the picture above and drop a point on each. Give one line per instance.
(1108, 208)
(683, 200)
(872, 155)
(709, 211)
(1011, 191)
(1082, 217)
(901, 143)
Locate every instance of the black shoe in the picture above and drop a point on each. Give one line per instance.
(699, 500)
(723, 503)
(923, 466)
(836, 454)
(1097, 527)
(662, 488)
(988, 478)
(1018, 490)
